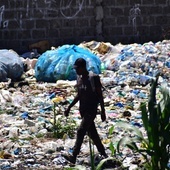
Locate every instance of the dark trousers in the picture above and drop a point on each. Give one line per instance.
(87, 126)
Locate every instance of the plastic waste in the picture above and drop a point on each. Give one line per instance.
(11, 65)
(6, 167)
(13, 132)
(168, 165)
(42, 132)
(136, 92)
(102, 67)
(58, 64)
(144, 79)
(52, 95)
(31, 55)
(24, 115)
(17, 151)
(18, 98)
(167, 64)
(29, 123)
(149, 47)
(136, 124)
(119, 104)
(59, 160)
(142, 95)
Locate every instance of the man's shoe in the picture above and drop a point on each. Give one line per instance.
(70, 158)
(104, 156)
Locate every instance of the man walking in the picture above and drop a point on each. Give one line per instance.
(89, 97)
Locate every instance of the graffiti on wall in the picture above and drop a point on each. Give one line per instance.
(65, 5)
(134, 13)
(168, 2)
(67, 8)
(3, 23)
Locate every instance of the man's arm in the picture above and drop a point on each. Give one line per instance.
(75, 100)
(100, 98)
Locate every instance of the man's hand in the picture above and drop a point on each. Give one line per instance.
(66, 113)
(103, 116)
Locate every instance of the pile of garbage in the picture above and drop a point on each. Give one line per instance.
(11, 65)
(30, 107)
(136, 63)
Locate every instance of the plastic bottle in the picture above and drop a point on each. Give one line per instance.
(102, 68)
(52, 95)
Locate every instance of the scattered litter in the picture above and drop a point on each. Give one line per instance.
(27, 108)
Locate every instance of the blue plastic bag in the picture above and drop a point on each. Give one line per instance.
(58, 64)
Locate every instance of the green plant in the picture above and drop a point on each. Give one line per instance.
(116, 164)
(65, 126)
(77, 167)
(14, 139)
(39, 135)
(91, 154)
(157, 126)
(61, 125)
(1, 111)
(156, 120)
(110, 161)
(111, 145)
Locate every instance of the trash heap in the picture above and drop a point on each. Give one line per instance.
(29, 139)
(133, 63)
(58, 64)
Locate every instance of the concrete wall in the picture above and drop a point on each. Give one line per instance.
(23, 22)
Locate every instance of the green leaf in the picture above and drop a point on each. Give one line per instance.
(111, 129)
(123, 141)
(100, 165)
(134, 130)
(91, 155)
(132, 146)
(77, 167)
(112, 148)
(144, 116)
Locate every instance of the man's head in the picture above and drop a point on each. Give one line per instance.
(80, 66)
(80, 62)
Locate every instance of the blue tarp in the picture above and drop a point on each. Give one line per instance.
(58, 64)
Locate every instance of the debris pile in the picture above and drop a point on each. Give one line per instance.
(29, 139)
